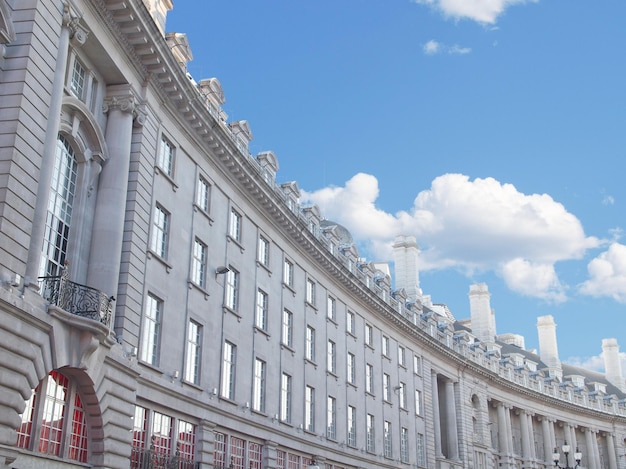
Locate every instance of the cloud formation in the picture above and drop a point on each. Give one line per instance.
(595, 363)
(607, 274)
(469, 225)
(433, 47)
(481, 11)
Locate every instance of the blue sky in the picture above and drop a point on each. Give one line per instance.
(492, 130)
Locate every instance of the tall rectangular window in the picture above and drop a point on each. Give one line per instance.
(351, 368)
(310, 344)
(151, 330)
(385, 345)
(309, 408)
(402, 395)
(166, 157)
(332, 357)
(232, 289)
(331, 416)
(288, 273)
(203, 194)
(331, 308)
(421, 450)
(255, 455)
(370, 436)
(386, 387)
(198, 264)
(287, 334)
(310, 291)
(258, 398)
(263, 256)
(234, 225)
(193, 353)
(285, 398)
(369, 378)
(78, 80)
(387, 439)
(261, 310)
(401, 356)
(160, 227)
(404, 444)
(162, 429)
(350, 322)
(186, 444)
(369, 335)
(417, 365)
(418, 402)
(228, 370)
(351, 426)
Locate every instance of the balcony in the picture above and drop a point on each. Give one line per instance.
(79, 300)
(154, 459)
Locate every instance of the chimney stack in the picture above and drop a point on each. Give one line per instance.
(405, 253)
(483, 317)
(548, 350)
(612, 365)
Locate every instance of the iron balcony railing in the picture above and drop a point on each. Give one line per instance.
(153, 459)
(77, 299)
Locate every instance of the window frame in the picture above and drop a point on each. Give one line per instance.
(151, 326)
(159, 241)
(193, 352)
(229, 371)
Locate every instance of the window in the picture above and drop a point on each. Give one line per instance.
(370, 434)
(203, 194)
(332, 357)
(261, 310)
(54, 421)
(186, 444)
(232, 289)
(402, 395)
(418, 402)
(331, 308)
(255, 455)
(369, 378)
(160, 227)
(237, 453)
(287, 335)
(59, 216)
(78, 80)
(310, 344)
(351, 371)
(309, 408)
(387, 440)
(350, 322)
(288, 273)
(404, 444)
(193, 353)
(351, 426)
(401, 356)
(285, 398)
(264, 251)
(198, 264)
(386, 387)
(369, 335)
(166, 157)
(151, 330)
(417, 365)
(331, 415)
(258, 397)
(421, 450)
(234, 226)
(228, 370)
(310, 292)
(161, 442)
(385, 345)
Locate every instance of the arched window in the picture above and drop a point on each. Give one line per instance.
(58, 219)
(54, 420)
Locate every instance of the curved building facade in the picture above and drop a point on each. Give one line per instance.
(165, 302)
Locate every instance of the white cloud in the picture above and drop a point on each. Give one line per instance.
(433, 47)
(595, 363)
(608, 200)
(607, 274)
(469, 225)
(482, 11)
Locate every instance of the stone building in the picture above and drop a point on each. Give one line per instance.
(165, 302)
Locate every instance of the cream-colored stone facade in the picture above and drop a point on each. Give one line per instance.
(164, 302)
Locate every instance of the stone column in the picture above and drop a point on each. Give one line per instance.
(591, 444)
(69, 29)
(610, 446)
(436, 415)
(205, 443)
(108, 225)
(523, 417)
(502, 432)
(548, 446)
(452, 431)
(531, 436)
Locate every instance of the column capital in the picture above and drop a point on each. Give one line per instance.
(71, 21)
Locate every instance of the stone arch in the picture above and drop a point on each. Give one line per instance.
(80, 126)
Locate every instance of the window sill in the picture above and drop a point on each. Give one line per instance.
(290, 288)
(159, 170)
(230, 239)
(199, 209)
(264, 267)
(228, 309)
(310, 362)
(262, 331)
(193, 285)
(153, 255)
